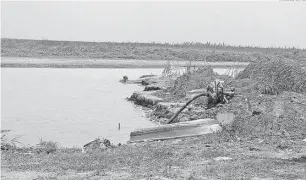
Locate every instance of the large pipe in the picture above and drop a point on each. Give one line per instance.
(183, 107)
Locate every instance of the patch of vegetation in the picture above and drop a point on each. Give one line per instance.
(8, 143)
(148, 51)
(175, 159)
(46, 147)
(273, 76)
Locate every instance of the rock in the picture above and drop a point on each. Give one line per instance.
(96, 145)
(256, 112)
(254, 149)
(304, 140)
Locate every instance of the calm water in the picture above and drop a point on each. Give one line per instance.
(71, 106)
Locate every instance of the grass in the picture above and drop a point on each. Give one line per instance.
(273, 76)
(190, 80)
(146, 51)
(175, 159)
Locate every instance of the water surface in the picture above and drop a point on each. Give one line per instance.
(70, 106)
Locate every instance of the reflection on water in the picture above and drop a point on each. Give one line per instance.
(71, 106)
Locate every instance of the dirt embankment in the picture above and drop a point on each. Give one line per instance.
(266, 103)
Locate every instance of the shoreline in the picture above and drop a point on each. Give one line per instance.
(226, 154)
(17, 62)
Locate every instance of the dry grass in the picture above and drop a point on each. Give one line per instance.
(190, 80)
(175, 159)
(46, 147)
(150, 51)
(273, 76)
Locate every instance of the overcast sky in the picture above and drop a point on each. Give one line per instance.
(245, 23)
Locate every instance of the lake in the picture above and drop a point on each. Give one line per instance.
(71, 106)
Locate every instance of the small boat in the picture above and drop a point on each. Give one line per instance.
(176, 130)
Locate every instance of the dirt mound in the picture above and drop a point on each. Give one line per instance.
(264, 116)
(273, 76)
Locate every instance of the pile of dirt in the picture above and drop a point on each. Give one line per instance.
(275, 75)
(283, 115)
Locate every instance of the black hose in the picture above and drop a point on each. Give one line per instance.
(183, 107)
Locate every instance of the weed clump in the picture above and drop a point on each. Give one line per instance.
(197, 79)
(273, 76)
(46, 147)
(8, 143)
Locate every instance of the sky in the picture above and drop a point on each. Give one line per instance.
(236, 23)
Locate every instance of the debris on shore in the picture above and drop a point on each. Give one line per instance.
(96, 145)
